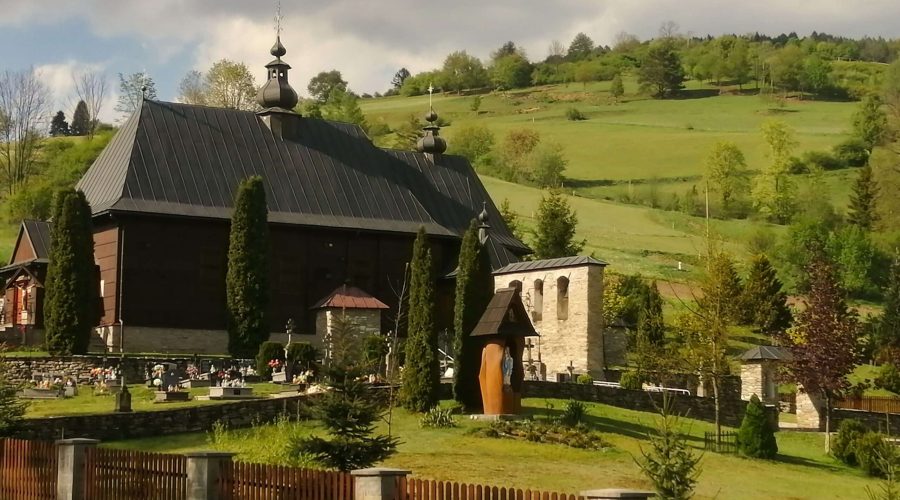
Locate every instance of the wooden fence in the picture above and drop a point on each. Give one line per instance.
(727, 443)
(874, 404)
(27, 469)
(427, 489)
(246, 481)
(112, 474)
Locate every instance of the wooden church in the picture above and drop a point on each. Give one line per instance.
(341, 210)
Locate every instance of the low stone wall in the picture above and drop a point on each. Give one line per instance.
(888, 423)
(133, 367)
(732, 411)
(113, 426)
(731, 384)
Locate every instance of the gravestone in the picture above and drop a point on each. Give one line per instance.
(123, 400)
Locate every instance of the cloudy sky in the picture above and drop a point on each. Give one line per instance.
(368, 40)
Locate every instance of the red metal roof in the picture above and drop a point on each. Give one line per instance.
(349, 297)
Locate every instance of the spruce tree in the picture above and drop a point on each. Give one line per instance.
(555, 233)
(72, 284)
(247, 281)
(59, 127)
(724, 284)
(350, 408)
(862, 200)
(81, 120)
(474, 288)
(756, 437)
(650, 324)
(421, 377)
(764, 303)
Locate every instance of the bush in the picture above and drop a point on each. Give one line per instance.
(853, 152)
(888, 378)
(756, 438)
(844, 442)
(438, 418)
(574, 412)
(873, 453)
(632, 380)
(797, 166)
(574, 115)
(267, 352)
(303, 355)
(585, 379)
(823, 160)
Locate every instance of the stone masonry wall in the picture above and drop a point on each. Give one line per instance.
(133, 368)
(579, 337)
(732, 411)
(888, 423)
(113, 426)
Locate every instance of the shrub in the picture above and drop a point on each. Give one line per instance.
(888, 378)
(267, 352)
(872, 452)
(853, 152)
(303, 355)
(756, 438)
(797, 166)
(585, 379)
(844, 442)
(574, 115)
(438, 418)
(823, 160)
(573, 413)
(632, 380)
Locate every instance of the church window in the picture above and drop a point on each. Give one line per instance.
(538, 311)
(562, 298)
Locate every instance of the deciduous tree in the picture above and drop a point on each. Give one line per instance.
(230, 84)
(725, 167)
(247, 279)
(72, 284)
(192, 89)
(133, 89)
(421, 375)
(870, 123)
(462, 71)
(399, 77)
(616, 87)
(773, 190)
(91, 88)
(581, 47)
(321, 85)
(24, 107)
(887, 331)
(473, 142)
(823, 341)
(555, 230)
(342, 106)
(661, 70)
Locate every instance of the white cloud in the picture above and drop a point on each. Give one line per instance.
(60, 79)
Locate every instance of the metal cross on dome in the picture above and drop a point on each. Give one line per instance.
(278, 18)
(430, 91)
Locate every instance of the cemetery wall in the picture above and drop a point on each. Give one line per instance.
(731, 384)
(112, 426)
(133, 368)
(888, 423)
(732, 411)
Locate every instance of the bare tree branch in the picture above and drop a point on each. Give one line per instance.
(24, 114)
(91, 88)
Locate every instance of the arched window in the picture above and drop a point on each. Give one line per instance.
(537, 312)
(517, 285)
(562, 298)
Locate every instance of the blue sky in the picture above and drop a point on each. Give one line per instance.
(367, 41)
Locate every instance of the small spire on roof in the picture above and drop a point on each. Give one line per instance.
(483, 225)
(277, 92)
(431, 142)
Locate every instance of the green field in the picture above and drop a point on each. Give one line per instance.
(802, 470)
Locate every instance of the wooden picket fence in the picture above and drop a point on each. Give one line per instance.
(247, 481)
(427, 489)
(112, 474)
(876, 404)
(27, 469)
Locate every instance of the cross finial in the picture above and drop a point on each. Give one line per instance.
(278, 18)
(430, 91)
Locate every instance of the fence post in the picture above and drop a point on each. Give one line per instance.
(614, 493)
(203, 471)
(377, 483)
(70, 467)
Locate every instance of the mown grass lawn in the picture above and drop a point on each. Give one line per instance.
(802, 470)
(141, 400)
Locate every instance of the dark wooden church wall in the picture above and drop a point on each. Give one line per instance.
(106, 254)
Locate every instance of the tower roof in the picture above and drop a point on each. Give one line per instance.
(349, 297)
(277, 93)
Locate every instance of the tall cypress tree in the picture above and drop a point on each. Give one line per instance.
(72, 281)
(247, 281)
(862, 200)
(650, 324)
(81, 120)
(421, 377)
(764, 303)
(59, 126)
(888, 333)
(474, 288)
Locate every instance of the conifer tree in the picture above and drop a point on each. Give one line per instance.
(474, 287)
(756, 438)
(650, 324)
(555, 233)
(616, 87)
(59, 126)
(421, 377)
(764, 303)
(12, 408)
(72, 283)
(81, 120)
(247, 280)
(511, 218)
(724, 284)
(862, 200)
(350, 409)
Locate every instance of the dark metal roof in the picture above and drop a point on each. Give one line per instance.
(188, 160)
(762, 352)
(534, 265)
(349, 297)
(505, 315)
(498, 255)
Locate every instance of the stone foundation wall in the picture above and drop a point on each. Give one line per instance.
(887, 423)
(732, 411)
(133, 368)
(113, 426)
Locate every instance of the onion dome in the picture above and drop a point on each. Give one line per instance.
(431, 142)
(277, 92)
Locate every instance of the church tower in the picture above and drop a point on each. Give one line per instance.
(277, 97)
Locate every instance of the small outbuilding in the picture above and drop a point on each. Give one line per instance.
(759, 372)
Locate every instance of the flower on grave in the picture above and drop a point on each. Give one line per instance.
(192, 371)
(274, 363)
(157, 382)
